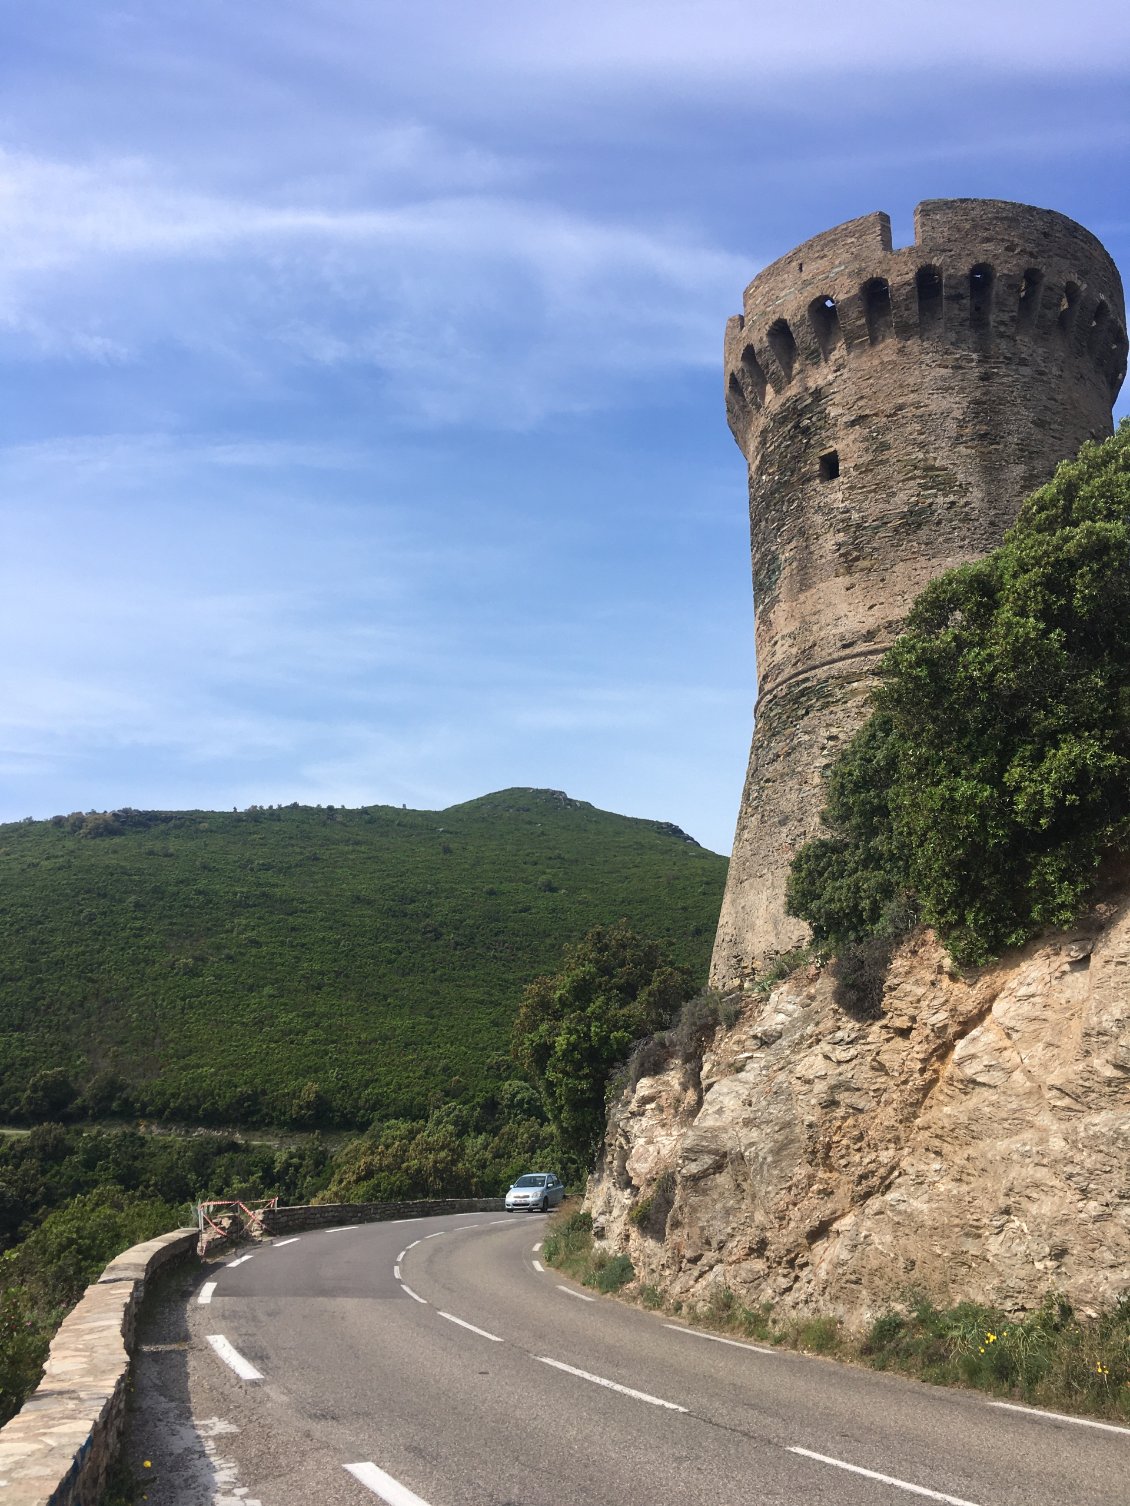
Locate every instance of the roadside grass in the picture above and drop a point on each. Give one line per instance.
(1050, 1358)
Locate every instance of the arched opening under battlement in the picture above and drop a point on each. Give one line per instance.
(783, 345)
(755, 380)
(981, 281)
(1069, 306)
(824, 318)
(876, 297)
(928, 286)
(736, 404)
(1028, 299)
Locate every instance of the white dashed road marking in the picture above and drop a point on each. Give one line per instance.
(404, 1287)
(243, 1368)
(871, 1474)
(569, 1292)
(599, 1380)
(293, 1240)
(385, 1486)
(716, 1338)
(482, 1333)
(206, 1293)
(231, 1264)
(401, 1256)
(539, 1268)
(537, 1247)
(343, 1228)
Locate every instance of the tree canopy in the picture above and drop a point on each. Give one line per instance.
(574, 1027)
(994, 772)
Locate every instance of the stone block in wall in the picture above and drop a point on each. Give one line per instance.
(58, 1449)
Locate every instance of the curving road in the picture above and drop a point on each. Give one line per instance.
(435, 1361)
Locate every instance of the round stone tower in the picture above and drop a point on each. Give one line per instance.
(895, 407)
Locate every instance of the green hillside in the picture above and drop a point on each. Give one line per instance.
(216, 966)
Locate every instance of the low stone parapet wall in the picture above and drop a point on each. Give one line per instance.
(323, 1215)
(58, 1450)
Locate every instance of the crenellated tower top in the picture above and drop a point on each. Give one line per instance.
(982, 275)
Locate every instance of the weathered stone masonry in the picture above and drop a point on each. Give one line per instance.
(894, 406)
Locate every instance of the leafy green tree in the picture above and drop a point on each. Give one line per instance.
(575, 1027)
(994, 774)
(50, 1094)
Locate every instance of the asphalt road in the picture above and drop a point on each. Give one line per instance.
(433, 1361)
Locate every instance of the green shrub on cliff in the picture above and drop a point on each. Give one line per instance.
(574, 1027)
(994, 773)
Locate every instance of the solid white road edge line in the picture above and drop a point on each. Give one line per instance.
(599, 1380)
(716, 1338)
(404, 1287)
(243, 1368)
(206, 1293)
(569, 1292)
(871, 1474)
(385, 1486)
(539, 1268)
(293, 1240)
(1083, 1422)
(482, 1333)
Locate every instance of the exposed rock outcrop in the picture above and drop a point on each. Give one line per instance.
(973, 1142)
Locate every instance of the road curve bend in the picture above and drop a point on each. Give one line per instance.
(438, 1361)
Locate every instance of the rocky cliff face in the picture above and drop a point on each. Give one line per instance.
(972, 1142)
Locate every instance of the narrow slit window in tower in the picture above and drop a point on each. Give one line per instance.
(1068, 307)
(928, 283)
(830, 465)
(1031, 287)
(980, 296)
(825, 321)
(1096, 336)
(783, 346)
(877, 310)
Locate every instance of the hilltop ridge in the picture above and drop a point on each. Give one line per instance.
(297, 964)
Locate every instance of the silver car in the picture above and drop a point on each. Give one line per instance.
(537, 1189)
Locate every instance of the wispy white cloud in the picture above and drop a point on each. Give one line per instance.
(473, 306)
(500, 50)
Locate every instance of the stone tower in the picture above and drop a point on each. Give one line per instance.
(895, 407)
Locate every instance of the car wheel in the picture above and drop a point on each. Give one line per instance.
(545, 1205)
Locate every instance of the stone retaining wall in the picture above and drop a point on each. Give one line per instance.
(323, 1215)
(58, 1450)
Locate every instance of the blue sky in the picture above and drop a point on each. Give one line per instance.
(362, 436)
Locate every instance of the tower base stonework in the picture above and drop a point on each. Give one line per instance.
(894, 407)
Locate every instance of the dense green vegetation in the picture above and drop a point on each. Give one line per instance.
(994, 774)
(309, 966)
(1049, 1358)
(71, 1200)
(575, 1026)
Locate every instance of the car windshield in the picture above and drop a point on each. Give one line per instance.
(530, 1182)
